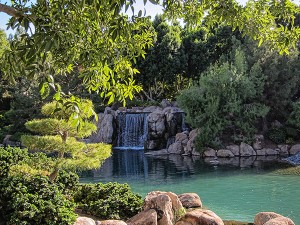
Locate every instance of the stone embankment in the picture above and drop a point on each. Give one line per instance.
(185, 145)
(166, 208)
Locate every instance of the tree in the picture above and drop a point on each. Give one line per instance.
(164, 61)
(225, 99)
(59, 137)
(101, 42)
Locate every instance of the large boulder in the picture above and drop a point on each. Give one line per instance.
(225, 153)
(84, 221)
(166, 204)
(263, 217)
(200, 217)
(246, 150)
(105, 129)
(190, 200)
(182, 138)
(235, 149)
(176, 148)
(295, 149)
(148, 217)
(283, 150)
(190, 146)
(152, 109)
(258, 142)
(156, 125)
(280, 221)
(209, 152)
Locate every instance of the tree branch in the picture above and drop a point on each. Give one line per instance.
(9, 10)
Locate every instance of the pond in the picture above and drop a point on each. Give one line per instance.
(235, 189)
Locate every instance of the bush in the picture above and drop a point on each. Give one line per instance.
(277, 135)
(108, 201)
(226, 98)
(10, 156)
(34, 200)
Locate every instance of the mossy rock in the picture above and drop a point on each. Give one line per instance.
(233, 222)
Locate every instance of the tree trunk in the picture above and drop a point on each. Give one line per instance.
(53, 175)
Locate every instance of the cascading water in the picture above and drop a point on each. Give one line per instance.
(132, 130)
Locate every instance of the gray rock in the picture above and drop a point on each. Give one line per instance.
(246, 150)
(258, 142)
(235, 149)
(156, 125)
(176, 148)
(283, 150)
(295, 149)
(105, 129)
(152, 109)
(270, 151)
(225, 153)
(209, 152)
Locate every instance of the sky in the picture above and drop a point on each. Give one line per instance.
(151, 10)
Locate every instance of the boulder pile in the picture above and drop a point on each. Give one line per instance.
(166, 208)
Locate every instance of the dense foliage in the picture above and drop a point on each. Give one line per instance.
(108, 201)
(27, 196)
(34, 200)
(226, 98)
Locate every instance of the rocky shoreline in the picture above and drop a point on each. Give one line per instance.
(167, 208)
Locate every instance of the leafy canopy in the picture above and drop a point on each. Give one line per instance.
(98, 40)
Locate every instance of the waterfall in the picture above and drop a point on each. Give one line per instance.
(132, 130)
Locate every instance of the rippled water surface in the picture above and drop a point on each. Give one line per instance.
(234, 189)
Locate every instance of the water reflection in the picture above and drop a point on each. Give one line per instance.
(136, 165)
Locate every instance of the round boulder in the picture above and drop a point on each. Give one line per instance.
(200, 216)
(148, 217)
(225, 153)
(84, 221)
(263, 217)
(190, 200)
(280, 221)
(295, 149)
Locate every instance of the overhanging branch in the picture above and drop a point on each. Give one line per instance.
(9, 10)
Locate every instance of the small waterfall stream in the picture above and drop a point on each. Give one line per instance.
(132, 130)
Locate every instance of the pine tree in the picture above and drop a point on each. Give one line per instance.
(59, 136)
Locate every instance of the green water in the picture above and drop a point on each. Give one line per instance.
(235, 192)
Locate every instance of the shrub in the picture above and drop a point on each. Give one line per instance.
(34, 200)
(226, 98)
(277, 135)
(10, 156)
(108, 201)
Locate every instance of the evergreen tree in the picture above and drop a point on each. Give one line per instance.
(59, 137)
